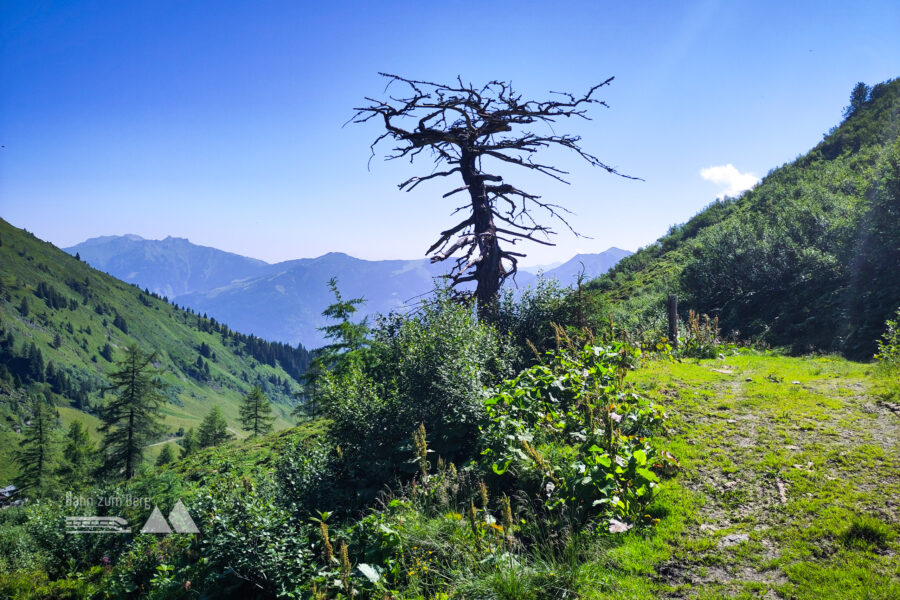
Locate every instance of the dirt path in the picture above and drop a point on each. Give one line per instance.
(171, 439)
(781, 467)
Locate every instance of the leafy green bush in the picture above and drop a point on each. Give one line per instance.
(427, 369)
(251, 543)
(570, 432)
(889, 345)
(528, 318)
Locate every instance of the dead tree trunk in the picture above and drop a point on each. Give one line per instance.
(461, 126)
(488, 266)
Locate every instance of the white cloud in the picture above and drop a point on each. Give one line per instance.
(728, 175)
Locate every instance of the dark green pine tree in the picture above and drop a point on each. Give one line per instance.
(119, 321)
(35, 363)
(166, 456)
(213, 430)
(256, 413)
(37, 452)
(189, 443)
(130, 420)
(106, 352)
(79, 457)
(858, 97)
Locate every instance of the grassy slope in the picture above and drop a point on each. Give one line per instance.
(26, 261)
(745, 428)
(830, 184)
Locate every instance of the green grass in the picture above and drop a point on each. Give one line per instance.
(790, 471)
(814, 431)
(811, 428)
(242, 457)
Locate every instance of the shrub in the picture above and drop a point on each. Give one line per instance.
(527, 319)
(250, 543)
(570, 432)
(701, 337)
(427, 369)
(889, 345)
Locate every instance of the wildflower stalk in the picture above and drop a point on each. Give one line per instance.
(345, 568)
(539, 460)
(473, 523)
(329, 551)
(421, 446)
(506, 513)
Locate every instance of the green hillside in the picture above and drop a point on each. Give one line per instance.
(808, 259)
(63, 324)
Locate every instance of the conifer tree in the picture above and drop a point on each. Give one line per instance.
(189, 443)
(130, 419)
(256, 413)
(119, 321)
(347, 338)
(214, 429)
(79, 456)
(165, 457)
(36, 454)
(35, 363)
(348, 341)
(106, 352)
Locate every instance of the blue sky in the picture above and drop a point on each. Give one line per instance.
(222, 121)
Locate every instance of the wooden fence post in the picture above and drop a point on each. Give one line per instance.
(673, 319)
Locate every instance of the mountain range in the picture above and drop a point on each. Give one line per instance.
(284, 301)
(63, 325)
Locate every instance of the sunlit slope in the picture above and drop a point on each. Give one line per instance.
(79, 320)
(809, 259)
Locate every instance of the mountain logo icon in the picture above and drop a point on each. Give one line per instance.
(179, 518)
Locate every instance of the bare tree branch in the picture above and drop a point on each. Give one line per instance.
(461, 125)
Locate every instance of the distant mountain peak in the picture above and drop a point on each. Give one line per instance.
(105, 239)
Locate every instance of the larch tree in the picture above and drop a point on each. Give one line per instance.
(165, 456)
(468, 131)
(189, 443)
(256, 412)
(348, 340)
(130, 419)
(37, 453)
(213, 429)
(78, 459)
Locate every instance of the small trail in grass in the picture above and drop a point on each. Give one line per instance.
(171, 439)
(768, 458)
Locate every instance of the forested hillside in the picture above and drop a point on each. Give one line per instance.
(64, 324)
(809, 259)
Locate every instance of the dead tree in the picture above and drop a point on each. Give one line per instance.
(466, 130)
